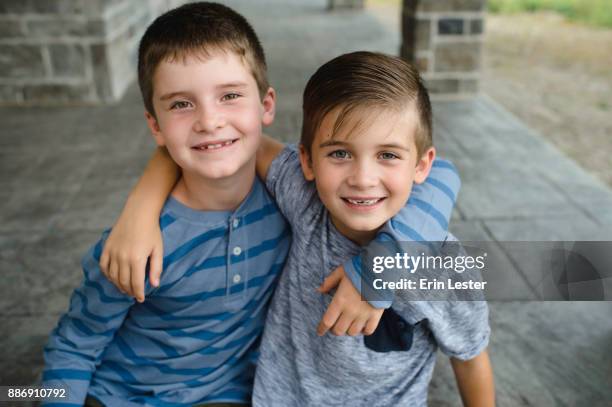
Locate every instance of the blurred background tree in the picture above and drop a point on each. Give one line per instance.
(592, 12)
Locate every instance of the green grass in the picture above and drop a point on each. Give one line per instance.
(591, 12)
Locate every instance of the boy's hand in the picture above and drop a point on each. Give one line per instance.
(347, 313)
(124, 258)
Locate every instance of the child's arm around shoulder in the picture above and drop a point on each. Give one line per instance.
(136, 236)
(426, 215)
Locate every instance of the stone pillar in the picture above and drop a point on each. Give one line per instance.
(56, 52)
(444, 38)
(345, 4)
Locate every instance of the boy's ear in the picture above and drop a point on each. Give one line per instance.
(423, 165)
(154, 127)
(306, 164)
(269, 107)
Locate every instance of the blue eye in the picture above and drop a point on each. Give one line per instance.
(181, 104)
(230, 96)
(339, 154)
(388, 156)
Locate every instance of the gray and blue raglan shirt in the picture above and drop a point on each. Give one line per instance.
(298, 368)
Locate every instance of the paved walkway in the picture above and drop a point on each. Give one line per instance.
(64, 173)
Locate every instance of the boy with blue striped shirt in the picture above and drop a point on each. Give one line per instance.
(195, 340)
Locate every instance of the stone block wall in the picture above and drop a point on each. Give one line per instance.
(444, 38)
(71, 51)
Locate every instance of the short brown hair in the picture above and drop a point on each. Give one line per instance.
(198, 29)
(365, 79)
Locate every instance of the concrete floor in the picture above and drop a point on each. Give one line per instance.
(65, 172)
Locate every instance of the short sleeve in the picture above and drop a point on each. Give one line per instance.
(460, 328)
(287, 185)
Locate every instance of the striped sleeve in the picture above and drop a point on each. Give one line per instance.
(97, 310)
(424, 218)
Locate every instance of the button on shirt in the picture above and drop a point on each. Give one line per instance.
(194, 339)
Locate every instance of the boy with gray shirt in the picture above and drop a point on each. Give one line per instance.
(366, 137)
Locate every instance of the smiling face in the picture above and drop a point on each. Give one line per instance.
(209, 114)
(364, 173)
